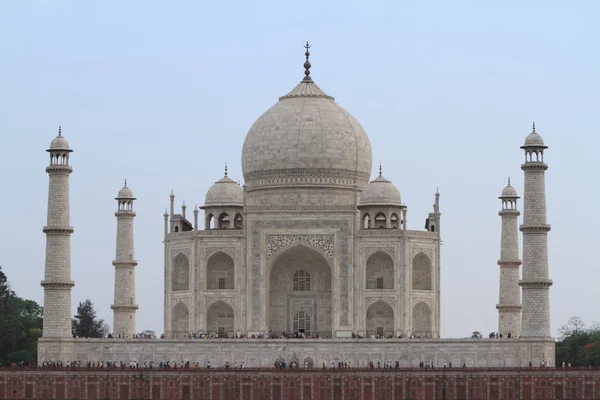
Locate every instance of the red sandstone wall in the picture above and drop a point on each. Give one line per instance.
(254, 384)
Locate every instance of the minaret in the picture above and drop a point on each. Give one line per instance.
(124, 307)
(535, 283)
(509, 306)
(57, 281)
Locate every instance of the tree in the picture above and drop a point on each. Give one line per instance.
(476, 335)
(85, 324)
(577, 345)
(20, 325)
(575, 326)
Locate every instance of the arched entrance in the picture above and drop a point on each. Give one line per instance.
(300, 294)
(380, 320)
(219, 319)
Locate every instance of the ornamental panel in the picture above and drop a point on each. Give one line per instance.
(258, 299)
(209, 251)
(277, 243)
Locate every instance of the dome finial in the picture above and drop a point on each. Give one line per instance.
(59, 130)
(509, 181)
(533, 127)
(379, 169)
(307, 65)
(225, 169)
(125, 182)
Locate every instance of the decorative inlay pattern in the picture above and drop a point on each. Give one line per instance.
(369, 251)
(209, 301)
(387, 299)
(417, 300)
(184, 251)
(209, 251)
(258, 299)
(417, 250)
(321, 242)
(305, 177)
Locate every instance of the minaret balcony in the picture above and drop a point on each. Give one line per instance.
(509, 307)
(537, 284)
(509, 263)
(541, 228)
(57, 285)
(58, 230)
(59, 168)
(534, 166)
(125, 264)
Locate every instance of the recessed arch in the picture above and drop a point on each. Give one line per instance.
(224, 221)
(180, 275)
(220, 319)
(380, 320)
(180, 321)
(394, 221)
(209, 222)
(421, 318)
(220, 272)
(238, 222)
(366, 221)
(316, 298)
(380, 221)
(421, 272)
(379, 273)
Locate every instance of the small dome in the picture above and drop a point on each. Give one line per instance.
(534, 139)
(380, 192)
(225, 192)
(59, 143)
(125, 193)
(509, 191)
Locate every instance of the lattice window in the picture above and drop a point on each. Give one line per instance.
(301, 280)
(380, 331)
(379, 283)
(302, 322)
(221, 332)
(221, 283)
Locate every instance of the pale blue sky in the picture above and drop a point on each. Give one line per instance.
(163, 93)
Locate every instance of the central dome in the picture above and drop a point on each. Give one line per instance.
(306, 139)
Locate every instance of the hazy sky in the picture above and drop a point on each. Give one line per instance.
(163, 93)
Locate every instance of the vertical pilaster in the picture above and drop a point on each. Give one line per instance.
(57, 281)
(124, 306)
(509, 304)
(535, 283)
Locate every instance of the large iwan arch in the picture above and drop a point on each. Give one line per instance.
(300, 292)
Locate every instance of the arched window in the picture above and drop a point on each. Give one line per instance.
(210, 222)
(380, 271)
(366, 221)
(238, 222)
(301, 280)
(394, 221)
(380, 221)
(224, 221)
(302, 322)
(220, 272)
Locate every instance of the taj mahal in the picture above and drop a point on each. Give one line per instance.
(311, 260)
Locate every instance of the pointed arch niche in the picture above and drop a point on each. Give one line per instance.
(219, 319)
(180, 274)
(421, 272)
(380, 320)
(421, 320)
(380, 271)
(220, 272)
(180, 321)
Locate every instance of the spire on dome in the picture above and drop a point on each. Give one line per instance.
(509, 181)
(59, 130)
(125, 182)
(225, 169)
(533, 127)
(379, 169)
(307, 65)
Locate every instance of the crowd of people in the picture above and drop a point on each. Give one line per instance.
(269, 335)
